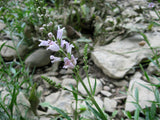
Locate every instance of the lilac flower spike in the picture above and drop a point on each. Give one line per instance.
(151, 5)
(69, 47)
(59, 33)
(43, 43)
(70, 63)
(53, 47)
(54, 59)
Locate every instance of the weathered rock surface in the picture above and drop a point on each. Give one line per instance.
(92, 81)
(117, 58)
(145, 95)
(38, 58)
(9, 53)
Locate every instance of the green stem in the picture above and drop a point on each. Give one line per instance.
(157, 13)
(90, 95)
(6, 111)
(76, 110)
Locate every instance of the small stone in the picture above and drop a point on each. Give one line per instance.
(106, 88)
(142, 43)
(113, 90)
(120, 83)
(109, 105)
(111, 86)
(106, 93)
(68, 82)
(2, 26)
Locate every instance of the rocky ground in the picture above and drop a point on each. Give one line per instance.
(115, 64)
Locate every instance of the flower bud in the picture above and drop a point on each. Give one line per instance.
(50, 35)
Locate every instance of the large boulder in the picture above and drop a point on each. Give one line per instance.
(117, 58)
(38, 58)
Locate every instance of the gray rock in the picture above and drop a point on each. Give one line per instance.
(24, 107)
(68, 82)
(62, 100)
(52, 98)
(120, 83)
(106, 93)
(99, 101)
(92, 81)
(5, 96)
(109, 105)
(153, 68)
(117, 58)
(106, 88)
(9, 53)
(153, 80)
(38, 58)
(2, 26)
(129, 12)
(145, 95)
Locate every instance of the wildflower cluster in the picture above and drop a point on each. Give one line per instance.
(60, 45)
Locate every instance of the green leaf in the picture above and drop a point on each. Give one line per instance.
(137, 95)
(127, 114)
(74, 93)
(114, 113)
(136, 114)
(95, 112)
(94, 88)
(145, 73)
(153, 111)
(45, 104)
(61, 112)
(145, 87)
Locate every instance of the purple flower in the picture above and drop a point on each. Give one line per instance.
(63, 42)
(43, 43)
(53, 47)
(41, 29)
(151, 5)
(70, 63)
(50, 24)
(44, 25)
(54, 59)
(50, 35)
(59, 33)
(69, 47)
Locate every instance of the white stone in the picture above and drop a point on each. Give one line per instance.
(92, 82)
(2, 26)
(68, 82)
(145, 95)
(106, 93)
(109, 105)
